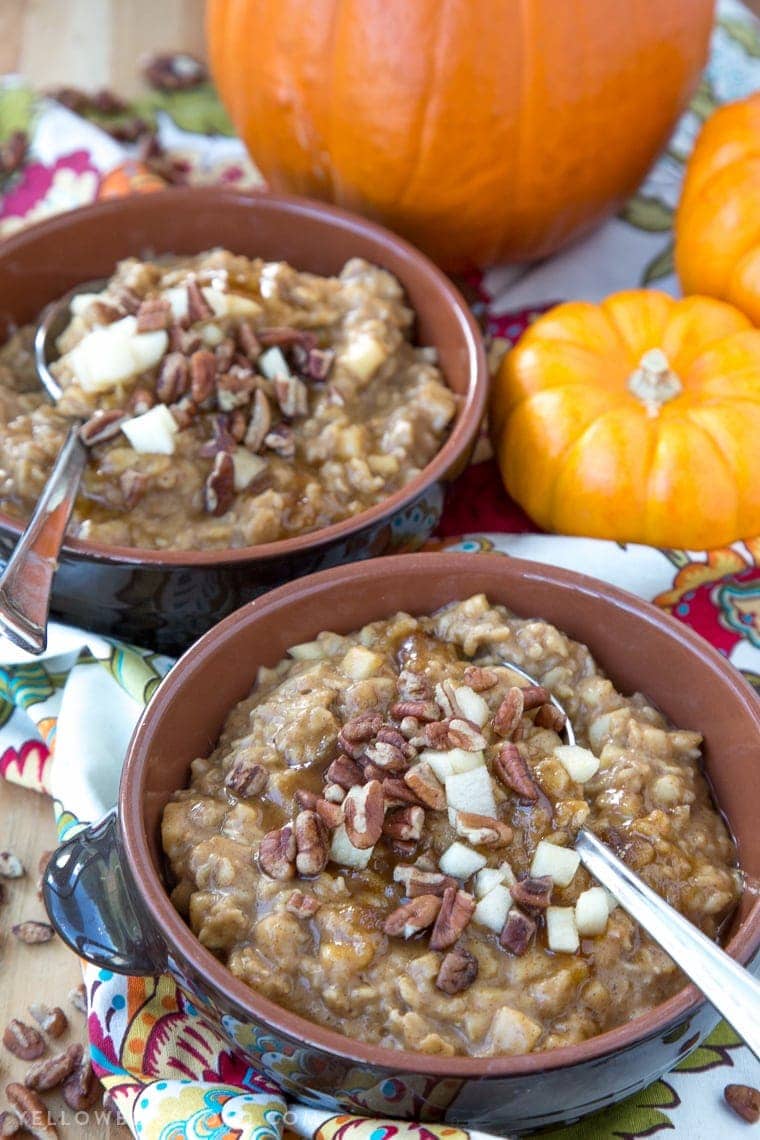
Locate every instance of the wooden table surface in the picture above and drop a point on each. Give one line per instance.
(89, 44)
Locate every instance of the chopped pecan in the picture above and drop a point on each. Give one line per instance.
(331, 814)
(301, 905)
(436, 735)
(412, 917)
(198, 308)
(534, 695)
(133, 485)
(292, 396)
(23, 1040)
(421, 710)
(246, 780)
(172, 378)
(744, 1100)
(426, 786)
(219, 488)
(78, 998)
(154, 314)
(259, 423)
(173, 71)
(126, 299)
(222, 439)
(413, 686)
(401, 848)
(186, 341)
(533, 893)
(319, 364)
(103, 313)
(549, 716)
(397, 793)
(277, 853)
(344, 772)
(32, 1110)
(306, 799)
(357, 732)
(409, 727)
(483, 830)
(32, 932)
(513, 771)
(458, 971)
(202, 375)
(509, 713)
(11, 866)
(311, 843)
(238, 424)
(479, 678)
(224, 354)
(248, 340)
(141, 401)
(334, 793)
(517, 932)
(419, 882)
(101, 426)
(466, 734)
(390, 735)
(284, 336)
(82, 1089)
(10, 1124)
(445, 694)
(456, 911)
(234, 388)
(52, 1021)
(282, 440)
(373, 772)
(404, 823)
(363, 813)
(387, 756)
(53, 1071)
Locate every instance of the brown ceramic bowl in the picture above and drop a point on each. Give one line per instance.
(165, 600)
(106, 895)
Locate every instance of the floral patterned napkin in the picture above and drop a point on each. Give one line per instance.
(167, 1073)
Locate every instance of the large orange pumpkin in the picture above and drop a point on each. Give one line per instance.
(483, 130)
(718, 220)
(637, 419)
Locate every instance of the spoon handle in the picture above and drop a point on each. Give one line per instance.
(26, 583)
(726, 985)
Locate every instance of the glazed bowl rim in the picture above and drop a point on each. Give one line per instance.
(175, 932)
(471, 407)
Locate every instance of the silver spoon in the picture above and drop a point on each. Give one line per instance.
(726, 985)
(26, 583)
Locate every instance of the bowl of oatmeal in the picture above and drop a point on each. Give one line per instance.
(267, 385)
(347, 825)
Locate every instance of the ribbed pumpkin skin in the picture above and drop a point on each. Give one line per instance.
(718, 221)
(483, 130)
(582, 455)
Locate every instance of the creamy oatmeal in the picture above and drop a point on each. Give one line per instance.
(382, 839)
(229, 402)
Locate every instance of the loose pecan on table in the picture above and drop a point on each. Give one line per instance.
(102, 426)
(512, 769)
(32, 1110)
(458, 971)
(277, 853)
(10, 1124)
(246, 780)
(363, 813)
(219, 488)
(78, 998)
(53, 1071)
(412, 917)
(82, 1089)
(312, 847)
(518, 932)
(456, 911)
(31, 932)
(11, 866)
(23, 1040)
(52, 1021)
(533, 892)
(744, 1100)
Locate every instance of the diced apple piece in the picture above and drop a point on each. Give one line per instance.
(81, 302)
(153, 432)
(247, 467)
(363, 356)
(579, 763)
(227, 304)
(560, 863)
(471, 791)
(360, 663)
(110, 355)
(342, 851)
(592, 911)
(507, 874)
(493, 908)
(307, 651)
(472, 705)
(486, 880)
(453, 760)
(461, 861)
(177, 298)
(212, 335)
(512, 1033)
(561, 931)
(273, 364)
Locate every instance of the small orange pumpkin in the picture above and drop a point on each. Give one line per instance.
(637, 419)
(717, 249)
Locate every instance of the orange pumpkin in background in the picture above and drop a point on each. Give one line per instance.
(718, 220)
(637, 420)
(483, 130)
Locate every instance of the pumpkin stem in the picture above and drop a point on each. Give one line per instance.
(654, 382)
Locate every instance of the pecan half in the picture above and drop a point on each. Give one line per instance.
(78, 998)
(422, 710)
(413, 686)
(387, 756)
(301, 905)
(509, 713)
(456, 911)
(533, 893)
(549, 716)
(246, 780)
(405, 823)
(259, 423)
(426, 786)
(82, 1089)
(358, 731)
(172, 378)
(219, 488)
(292, 396)
(344, 772)
(518, 932)
(101, 426)
(397, 793)
(282, 440)
(331, 814)
(417, 882)
(363, 813)
(479, 678)
(10, 1124)
(202, 375)
(512, 769)
(466, 734)
(198, 308)
(412, 917)
(11, 866)
(483, 830)
(173, 71)
(53, 1071)
(154, 314)
(534, 695)
(744, 1100)
(23, 1040)
(133, 485)
(277, 853)
(32, 1110)
(31, 932)
(458, 971)
(311, 843)
(52, 1021)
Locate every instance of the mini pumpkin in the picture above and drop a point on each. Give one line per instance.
(717, 248)
(636, 419)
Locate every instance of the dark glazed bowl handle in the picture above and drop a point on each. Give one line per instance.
(92, 903)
